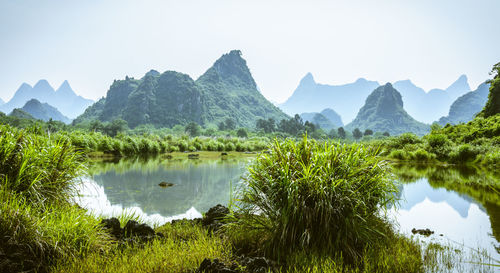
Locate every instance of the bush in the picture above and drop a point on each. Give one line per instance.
(315, 196)
(398, 154)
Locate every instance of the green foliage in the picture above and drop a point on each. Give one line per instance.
(193, 129)
(307, 194)
(492, 106)
(356, 133)
(242, 132)
(341, 132)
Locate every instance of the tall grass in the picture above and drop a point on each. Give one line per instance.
(37, 167)
(38, 225)
(309, 196)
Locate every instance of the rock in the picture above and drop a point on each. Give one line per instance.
(165, 184)
(425, 232)
(214, 217)
(193, 156)
(215, 266)
(113, 226)
(223, 154)
(133, 228)
(257, 264)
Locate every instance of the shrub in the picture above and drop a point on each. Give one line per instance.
(315, 196)
(398, 154)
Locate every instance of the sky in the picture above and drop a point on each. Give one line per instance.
(90, 43)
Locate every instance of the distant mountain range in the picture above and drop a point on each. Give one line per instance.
(347, 99)
(226, 90)
(44, 111)
(1, 102)
(64, 98)
(467, 106)
(383, 112)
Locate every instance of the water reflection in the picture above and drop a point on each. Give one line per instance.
(133, 184)
(445, 200)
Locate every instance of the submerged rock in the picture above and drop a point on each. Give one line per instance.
(165, 184)
(193, 156)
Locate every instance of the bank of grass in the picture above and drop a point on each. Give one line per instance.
(182, 250)
(99, 144)
(476, 142)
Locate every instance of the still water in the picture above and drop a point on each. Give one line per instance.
(438, 198)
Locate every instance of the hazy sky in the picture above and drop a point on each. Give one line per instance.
(90, 43)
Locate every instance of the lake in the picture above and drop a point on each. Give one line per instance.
(440, 198)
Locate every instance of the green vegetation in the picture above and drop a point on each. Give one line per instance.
(37, 223)
(492, 106)
(315, 197)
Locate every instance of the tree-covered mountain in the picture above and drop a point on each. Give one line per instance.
(43, 111)
(430, 106)
(226, 90)
(313, 97)
(467, 106)
(64, 98)
(383, 112)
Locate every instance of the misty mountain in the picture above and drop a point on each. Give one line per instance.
(383, 111)
(1, 101)
(226, 90)
(335, 118)
(64, 98)
(43, 111)
(347, 99)
(328, 119)
(467, 106)
(318, 120)
(21, 114)
(313, 97)
(430, 106)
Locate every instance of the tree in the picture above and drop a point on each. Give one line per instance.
(309, 127)
(341, 132)
(192, 129)
(492, 106)
(386, 134)
(221, 126)
(230, 124)
(265, 125)
(116, 126)
(356, 133)
(368, 132)
(96, 126)
(242, 132)
(333, 134)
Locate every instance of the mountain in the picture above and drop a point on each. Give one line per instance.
(2, 102)
(64, 98)
(383, 111)
(226, 90)
(312, 97)
(21, 114)
(467, 106)
(429, 106)
(328, 119)
(333, 117)
(492, 106)
(43, 111)
(319, 120)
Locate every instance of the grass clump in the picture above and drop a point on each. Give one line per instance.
(304, 196)
(38, 225)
